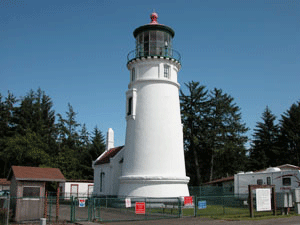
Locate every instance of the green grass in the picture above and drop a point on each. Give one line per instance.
(232, 213)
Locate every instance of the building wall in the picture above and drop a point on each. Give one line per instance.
(84, 189)
(112, 171)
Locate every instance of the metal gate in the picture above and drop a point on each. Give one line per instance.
(81, 209)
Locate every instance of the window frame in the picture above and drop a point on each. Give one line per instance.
(102, 176)
(32, 197)
(259, 181)
(285, 183)
(129, 107)
(167, 69)
(131, 96)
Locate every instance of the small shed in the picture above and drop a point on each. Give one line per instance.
(28, 190)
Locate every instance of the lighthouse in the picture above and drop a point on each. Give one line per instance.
(153, 164)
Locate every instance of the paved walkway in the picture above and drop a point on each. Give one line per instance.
(295, 220)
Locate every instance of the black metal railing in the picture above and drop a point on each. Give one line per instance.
(161, 52)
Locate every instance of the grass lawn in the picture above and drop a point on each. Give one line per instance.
(233, 213)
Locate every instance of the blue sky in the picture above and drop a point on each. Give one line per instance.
(76, 52)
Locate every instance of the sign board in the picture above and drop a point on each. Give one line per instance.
(127, 202)
(81, 202)
(188, 201)
(297, 195)
(202, 204)
(263, 199)
(140, 208)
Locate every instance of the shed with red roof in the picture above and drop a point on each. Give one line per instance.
(28, 190)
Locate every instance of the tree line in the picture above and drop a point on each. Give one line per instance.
(32, 134)
(215, 136)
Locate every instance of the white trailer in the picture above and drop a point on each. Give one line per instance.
(284, 180)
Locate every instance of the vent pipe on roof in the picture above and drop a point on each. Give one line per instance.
(110, 139)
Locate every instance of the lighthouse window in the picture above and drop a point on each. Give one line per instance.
(133, 74)
(166, 71)
(129, 110)
(146, 43)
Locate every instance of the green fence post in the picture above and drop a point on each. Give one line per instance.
(179, 207)
(195, 205)
(71, 206)
(50, 208)
(223, 205)
(89, 209)
(146, 208)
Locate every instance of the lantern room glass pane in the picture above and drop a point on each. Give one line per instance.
(154, 43)
(160, 36)
(152, 36)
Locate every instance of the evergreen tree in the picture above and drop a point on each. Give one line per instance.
(98, 144)
(193, 111)
(67, 129)
(95, 149)
(7, 128)
(225, 135)
(25, 150)
(35, 114)
(214, 134)
(264, 151)
(290, 135)
(7, 108)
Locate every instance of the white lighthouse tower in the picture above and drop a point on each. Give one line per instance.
(153, 164)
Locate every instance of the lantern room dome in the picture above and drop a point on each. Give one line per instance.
(153, 25)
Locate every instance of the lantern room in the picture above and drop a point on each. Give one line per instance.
(152, 40)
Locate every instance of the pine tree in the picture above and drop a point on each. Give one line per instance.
(214, 134)
(264, 151)
(7, 129)
(67, 129)
(193, 110)
(290, 135)
(98, 144)
(225, 135)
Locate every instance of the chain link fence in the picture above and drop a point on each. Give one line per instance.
(205, 201)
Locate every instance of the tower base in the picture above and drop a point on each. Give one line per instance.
(153, 186)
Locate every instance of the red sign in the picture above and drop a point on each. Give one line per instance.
(140, 208)
(188, 200)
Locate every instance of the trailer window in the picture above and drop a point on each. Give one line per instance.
(268, 180)
(259, 181)
(286, 181)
